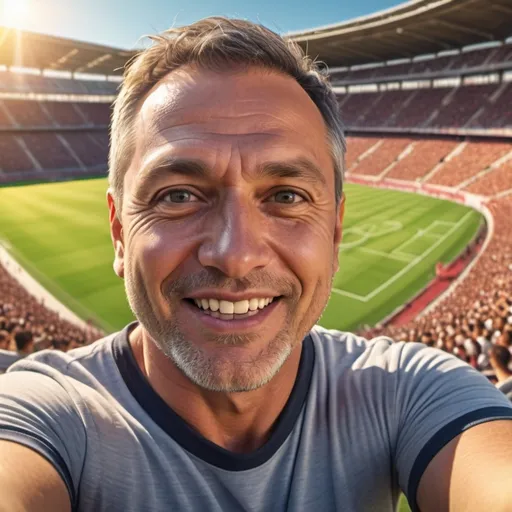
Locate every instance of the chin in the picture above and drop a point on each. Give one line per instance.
(230, 369)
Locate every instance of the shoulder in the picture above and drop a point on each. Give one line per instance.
(73, 363)
(382, 352)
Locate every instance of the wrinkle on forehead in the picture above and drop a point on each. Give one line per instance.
(255, 101)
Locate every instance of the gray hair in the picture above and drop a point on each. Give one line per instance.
(217, 43)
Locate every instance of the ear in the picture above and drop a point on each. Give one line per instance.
(338, 233)
(116, 233)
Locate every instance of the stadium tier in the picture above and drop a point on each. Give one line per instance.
(476, 60)
(466, 106)
(27, 83)
(438, 121)
(30, 114)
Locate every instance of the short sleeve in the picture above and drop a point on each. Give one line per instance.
(37, 412)
(437, 398)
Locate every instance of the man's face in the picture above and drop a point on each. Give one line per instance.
(229, 232)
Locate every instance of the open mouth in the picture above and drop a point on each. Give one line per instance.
(226, 310)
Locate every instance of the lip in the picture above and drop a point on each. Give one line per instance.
(248, 323)
(231, 296)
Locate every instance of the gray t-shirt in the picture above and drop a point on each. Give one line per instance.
(8, 357)
(363, 421)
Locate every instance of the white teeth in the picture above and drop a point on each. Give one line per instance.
(241, 307)
(227, 308)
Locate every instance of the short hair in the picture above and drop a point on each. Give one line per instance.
(23, 339)
(4, 336)
(217, 44)
(501, 355)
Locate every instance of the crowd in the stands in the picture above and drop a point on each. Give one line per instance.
(26, 324)
(477, 316)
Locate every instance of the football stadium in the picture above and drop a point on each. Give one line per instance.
(425, 94)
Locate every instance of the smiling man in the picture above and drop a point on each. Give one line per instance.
(226, 211)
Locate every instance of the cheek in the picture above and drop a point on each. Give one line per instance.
(307, 249)
(156, 252)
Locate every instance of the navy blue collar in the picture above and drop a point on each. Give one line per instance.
(188, 437)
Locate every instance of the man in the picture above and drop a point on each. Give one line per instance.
(24, 342)
(226, 208)
(499, 358)
(7, 357)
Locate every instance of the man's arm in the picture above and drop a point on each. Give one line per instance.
(28, 482)
(473, 472)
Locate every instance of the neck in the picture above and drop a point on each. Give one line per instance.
(239, 422)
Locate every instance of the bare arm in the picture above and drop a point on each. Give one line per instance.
(471, 473)
(28, 482)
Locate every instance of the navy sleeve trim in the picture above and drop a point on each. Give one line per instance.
(443, 437)
(40, 445)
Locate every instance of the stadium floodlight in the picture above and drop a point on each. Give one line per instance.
(13, 13)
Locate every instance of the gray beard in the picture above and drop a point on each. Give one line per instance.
(218, 373)
(210, 373)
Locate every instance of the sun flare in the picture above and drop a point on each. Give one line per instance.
(13, 13)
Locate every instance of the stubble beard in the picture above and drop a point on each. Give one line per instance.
(215, 373)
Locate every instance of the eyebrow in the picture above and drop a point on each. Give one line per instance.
(301, 168)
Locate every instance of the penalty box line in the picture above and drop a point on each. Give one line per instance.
(406, 269)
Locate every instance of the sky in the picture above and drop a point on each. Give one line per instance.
(121, 23)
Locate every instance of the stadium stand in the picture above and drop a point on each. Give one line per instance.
(419, 106)
(20, 311)
(425, 155)
(381, 157)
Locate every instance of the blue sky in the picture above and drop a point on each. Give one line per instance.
(121, 22)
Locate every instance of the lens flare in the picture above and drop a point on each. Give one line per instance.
(13, 13)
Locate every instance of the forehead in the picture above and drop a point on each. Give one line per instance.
(205, 111)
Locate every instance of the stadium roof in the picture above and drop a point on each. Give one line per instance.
(414, 28)
(33, 50)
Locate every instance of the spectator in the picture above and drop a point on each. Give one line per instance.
(7, 356)
(24, 342)
(500, 361)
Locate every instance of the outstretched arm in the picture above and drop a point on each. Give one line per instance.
(473, 472)
(28, 482)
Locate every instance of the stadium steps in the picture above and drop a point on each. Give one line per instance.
(490, 102)
(368, 152)
(456, 152)
(42, 106)
(495, 165)
(7, 114)
(71, 151)
(407, 151)
(403, 106)
(29, 154)
(444, 102)
(507, 192)
(360, 119)
(80, 113)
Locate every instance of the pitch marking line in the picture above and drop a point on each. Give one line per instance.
(399, 257)
(406, 269)
(419, 234)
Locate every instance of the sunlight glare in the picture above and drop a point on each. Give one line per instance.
(13, 13)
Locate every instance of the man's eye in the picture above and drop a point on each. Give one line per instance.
(178, 196)
(287, 197)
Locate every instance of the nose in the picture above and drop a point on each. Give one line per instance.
(235, 243)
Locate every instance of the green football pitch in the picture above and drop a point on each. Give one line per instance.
(391, 244)
(392, 241)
